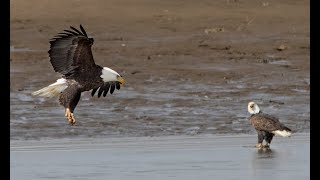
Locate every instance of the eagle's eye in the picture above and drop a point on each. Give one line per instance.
(251, 106)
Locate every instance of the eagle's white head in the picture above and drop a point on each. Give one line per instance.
(111, 75)
(253, 108)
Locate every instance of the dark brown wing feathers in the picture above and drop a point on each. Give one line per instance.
(106, 89)
(103, 90)
(76, 30)
(83, 31)
(266, 122)
(70, 52)
(94, 91)
(112, 86)
(100, 91)
(118, 86)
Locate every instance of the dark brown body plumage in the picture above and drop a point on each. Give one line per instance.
(265, 124)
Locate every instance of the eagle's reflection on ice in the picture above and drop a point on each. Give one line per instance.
(265, 153)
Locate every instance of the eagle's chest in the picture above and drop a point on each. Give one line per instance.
(251, 119)
(254, 119)
(88, 84)
(88, 81)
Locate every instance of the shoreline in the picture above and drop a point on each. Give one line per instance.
(220, 139)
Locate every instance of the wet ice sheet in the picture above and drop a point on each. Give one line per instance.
(179, 157)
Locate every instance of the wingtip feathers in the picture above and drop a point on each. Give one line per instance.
(83, 31)
(68, 33)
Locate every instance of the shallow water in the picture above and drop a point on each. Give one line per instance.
(168, 157)
(175, 107)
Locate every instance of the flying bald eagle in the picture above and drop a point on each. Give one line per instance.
(70, 55)
(266, 125)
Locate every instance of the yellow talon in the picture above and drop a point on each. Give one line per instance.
(266, 145)
(259, 145)
(70, 117)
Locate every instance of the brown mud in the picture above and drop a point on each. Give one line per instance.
(190, 67)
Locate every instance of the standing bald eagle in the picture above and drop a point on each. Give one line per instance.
(266, 125)
(70, 55)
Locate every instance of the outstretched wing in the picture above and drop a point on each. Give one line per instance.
(70, 52)
(105, 88)
(266, 122)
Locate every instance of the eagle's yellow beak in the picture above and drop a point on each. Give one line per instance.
(121, 80)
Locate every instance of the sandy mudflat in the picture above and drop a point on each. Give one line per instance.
(191, 67)
(171, 157)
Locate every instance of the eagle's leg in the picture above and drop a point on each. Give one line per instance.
(260, 139)
(268, 138)
(70, 116)
(69, 98)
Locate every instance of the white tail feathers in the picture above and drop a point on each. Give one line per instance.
(283, 133)
(53, 89)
